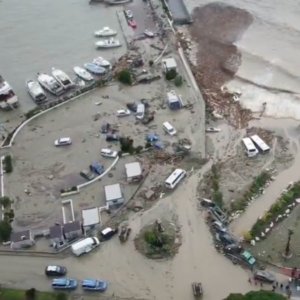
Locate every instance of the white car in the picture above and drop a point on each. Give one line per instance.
(109, 153)
(63, 141)
(123, 112)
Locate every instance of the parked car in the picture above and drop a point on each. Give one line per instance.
(128, 14)
(226, 238)
(264, 276)
(53, 270)
(94, 285)
(112, 137)
(64, 284)
(108, 233)
(218, 215)
(63, 141)
(207, 203)
(219, 226)
(123, 112)
(248, 258)
(97, 168)
(105, 128)
(233, 248)
(88, 175)
(109, 153)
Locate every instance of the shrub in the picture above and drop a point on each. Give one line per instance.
(8, 164)
(5, 230)
(61, 296)
(171, 74)
(178, 80)
(247, 236)
(125, 77)
(32, 112)
(151, 62)
(5, 201)
(31, 294)
(138, 149)
(218, 198)
(127, 145)
(74, 188)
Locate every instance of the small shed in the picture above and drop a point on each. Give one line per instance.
(56, 236)
(113, 195)
(169, 64)
(72, 230)
(133, 172)
(21, 239)
(174, 101)
(90, 217)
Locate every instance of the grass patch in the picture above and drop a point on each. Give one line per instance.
(12, 294)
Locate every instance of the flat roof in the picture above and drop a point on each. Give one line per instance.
(90, 216)
(133, 169)
(113, 192)
(20, 236)
(170, 62)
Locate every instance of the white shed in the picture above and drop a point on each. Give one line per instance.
(113, 195)
(133, 171)
(90, 217)
(169, 64)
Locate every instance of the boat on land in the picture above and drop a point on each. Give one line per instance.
(105, 31)
(116, 2)
(108, 43)
(95, 69)
(83, 74)
(36, 91)
(100, 61)
(62, 78)
(50, 84)
(212, 129)
(8, 98)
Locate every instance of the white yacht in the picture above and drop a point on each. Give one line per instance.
(100, 61)
(104, 32)
(62, 78)
(35, 91)
(50, 84)
(8, 98)
(108, 43)
(82, 73)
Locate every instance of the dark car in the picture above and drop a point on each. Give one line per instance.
(233, 248)
(55, 270)
(226, 238)
(88, 175)
(107, 233)
(105, 128)
(97, 168)
(264, 276)
(219, 227)
(112, 137)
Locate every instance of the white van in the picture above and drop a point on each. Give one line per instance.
(109, 153)
(175, 178)
(85, 246)
(140, 111)
(168, 128)
(250, 148)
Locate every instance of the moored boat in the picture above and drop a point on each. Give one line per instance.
(35, 91)
(83, 74)
(105, 31)
(8, 98)
(100, 61)
(62, 78)
(108, 43)
(95, 69)
(50, 84)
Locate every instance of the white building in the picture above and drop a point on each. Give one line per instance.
(90, 217)
(169, 64)
(113, 195)
(133, 172)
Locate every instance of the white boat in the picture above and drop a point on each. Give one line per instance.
(50, 84)
(100, 61)
(35, 91)
(108, 43)
(8, 98)
(82, 73)
(105, 31)
(212, 129)
(62, 78)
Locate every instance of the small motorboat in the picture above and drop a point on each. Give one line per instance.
(108, 43)
(82, 73)
(105, 31)
(149, 33)
(212, 129)
(100, 61)
(62, 78)
(95, 69)
(35, 91)
(50, 84)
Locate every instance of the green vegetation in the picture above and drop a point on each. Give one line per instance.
(278, 208)
(259, 295)
(217, 195)
(125, 77)
(126, 144)
(178, 80)
(171, 74)
(5, 230)
(8, 168)
(31, 294)
(5, 201)
(32, 112)
(255, 189)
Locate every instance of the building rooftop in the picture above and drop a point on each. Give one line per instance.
(90, 216)
(56, 231)
(20, 236)
(133, 169)
(72, 226)
(170, 63)
(113, 192)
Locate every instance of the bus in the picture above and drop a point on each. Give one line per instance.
(251, 150)
(175, 178)
(260, 144)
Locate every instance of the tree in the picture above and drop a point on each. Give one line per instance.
(125, 77)
(287, 247)
(257, 295)
(8, 164)
(5, 201)
(171, 74)
(178, 80)
(5, 230)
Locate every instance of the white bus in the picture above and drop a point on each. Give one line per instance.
(175, 178)
(251, 150)
(260, 144)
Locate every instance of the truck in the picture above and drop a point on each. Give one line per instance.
(85, 246)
